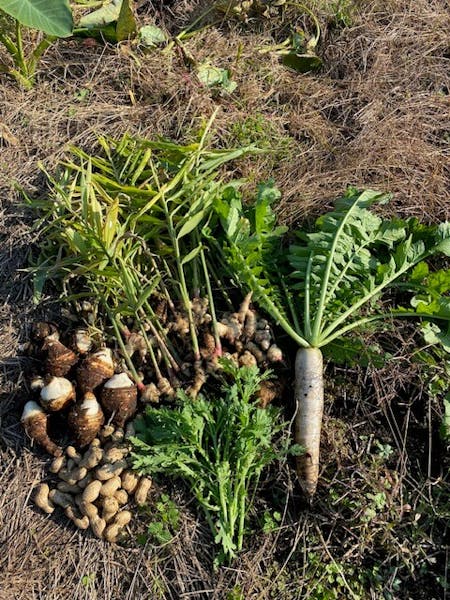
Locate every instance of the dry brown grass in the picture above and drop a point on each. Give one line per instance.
(377, 115)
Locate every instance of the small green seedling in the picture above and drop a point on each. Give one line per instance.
(215, 77)
(165, 521)
(219, 445)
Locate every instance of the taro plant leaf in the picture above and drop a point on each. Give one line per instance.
(53, 17)
(108, 13)
(126, 23)
(303, 63)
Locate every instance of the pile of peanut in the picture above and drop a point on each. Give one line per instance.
(96, 487)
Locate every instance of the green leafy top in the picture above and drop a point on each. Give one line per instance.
(252, 245)
(337, 272)
(219, 445)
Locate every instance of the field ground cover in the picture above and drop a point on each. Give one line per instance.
(377, 115)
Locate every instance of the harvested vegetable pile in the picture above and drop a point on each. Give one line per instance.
(95, 488)
(375, 116)
(76, 389)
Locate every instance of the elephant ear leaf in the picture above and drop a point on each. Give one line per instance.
(53, 17)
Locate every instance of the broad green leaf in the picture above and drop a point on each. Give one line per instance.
(151, 36)
(126, 23)
(443, 238)
(53, 17)
(108, 13)
(303, 63)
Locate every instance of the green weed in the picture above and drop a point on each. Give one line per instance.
(165, 521)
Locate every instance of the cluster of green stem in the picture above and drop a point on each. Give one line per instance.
(128, 223)
(25, 66)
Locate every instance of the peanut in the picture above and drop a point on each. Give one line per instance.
(92, 457)
(63, 486)
(115, 454)
(92, 491)
(79, 473)
(41, 499)
(105, 472)
(78, 520)
(57, 464)
(123, 518)
(112, 532)
(98, 526)
(140, 495)
(110, 508)
(121, 496)
(83, 483)
(106, 432)
(67, 476)
(72, 453)
(60, 498)
(88, 509)
(129, 481)
(110, 487)
(117, 436)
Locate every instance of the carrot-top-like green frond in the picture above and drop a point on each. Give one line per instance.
(351, 257)
(254, 253)
(331, 281)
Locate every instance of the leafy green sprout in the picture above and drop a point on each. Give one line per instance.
(165, 521)
(219, 445)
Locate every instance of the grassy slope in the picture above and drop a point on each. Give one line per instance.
(375, 116)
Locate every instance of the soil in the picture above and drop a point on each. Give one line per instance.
(377, 115)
